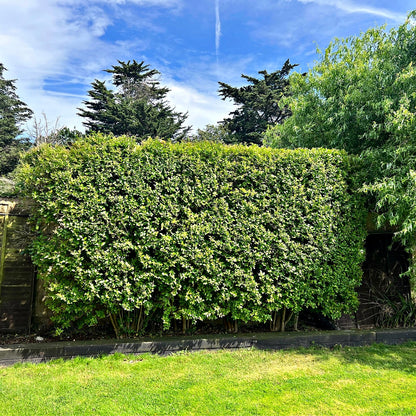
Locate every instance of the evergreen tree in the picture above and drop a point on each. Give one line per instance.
(258, 105)
(136, 106)
(13, 112)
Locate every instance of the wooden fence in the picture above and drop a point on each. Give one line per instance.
(16, 269)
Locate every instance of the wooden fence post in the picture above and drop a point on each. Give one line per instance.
(3, 220)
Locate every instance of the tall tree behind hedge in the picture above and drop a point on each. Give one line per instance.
(13, 113)
(136, 106)
(361, 97)
(257, 105)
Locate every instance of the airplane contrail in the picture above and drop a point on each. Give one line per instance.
(217, 27)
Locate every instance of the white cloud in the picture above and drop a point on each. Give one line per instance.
(352, 7)
(47, 42)
(203, 108)
(38, 41)
(61, 40)
(149, 3)
(41, 41)
(60, 108)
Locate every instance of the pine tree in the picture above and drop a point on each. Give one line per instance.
(13, 112)
(136, 106)
(257, 105)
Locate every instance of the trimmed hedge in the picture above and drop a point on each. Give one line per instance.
(193, 231)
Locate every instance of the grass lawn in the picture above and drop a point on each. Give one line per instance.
(376, 380)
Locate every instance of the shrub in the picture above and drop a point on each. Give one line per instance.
(193, 231)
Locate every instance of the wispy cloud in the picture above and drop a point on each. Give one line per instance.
(353, 7)
(217, 27)
(151, 3)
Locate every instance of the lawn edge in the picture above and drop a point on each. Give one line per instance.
(43, 352)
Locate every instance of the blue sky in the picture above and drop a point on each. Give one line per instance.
(56, 48)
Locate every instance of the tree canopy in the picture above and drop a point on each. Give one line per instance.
(361, 97)
(212, 133)
(257, 104)
(13, 112)
(135, 105)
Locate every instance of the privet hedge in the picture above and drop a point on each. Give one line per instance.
(193, 231)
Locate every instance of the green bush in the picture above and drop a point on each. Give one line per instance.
(193, 231)
(7, 186)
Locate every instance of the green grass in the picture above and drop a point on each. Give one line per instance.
(376, 380)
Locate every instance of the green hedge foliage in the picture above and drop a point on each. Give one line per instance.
(193, 231)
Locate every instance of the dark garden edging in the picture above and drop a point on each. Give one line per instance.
(42, 352)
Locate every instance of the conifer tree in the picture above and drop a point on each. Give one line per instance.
(13, 112)
(135, 106)
(257, 104)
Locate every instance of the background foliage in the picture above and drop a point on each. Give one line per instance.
(361, 97)
(193, 231)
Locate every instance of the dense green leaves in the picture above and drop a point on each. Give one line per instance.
(193, 231)
(345, 100)
(361, 97)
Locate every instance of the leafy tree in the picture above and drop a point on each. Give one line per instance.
(212, 133)
(67, 136)
(13, 112)
(361, 97)
(136, 105)
(257, 104)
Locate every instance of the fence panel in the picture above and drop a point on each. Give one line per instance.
(16, 269)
